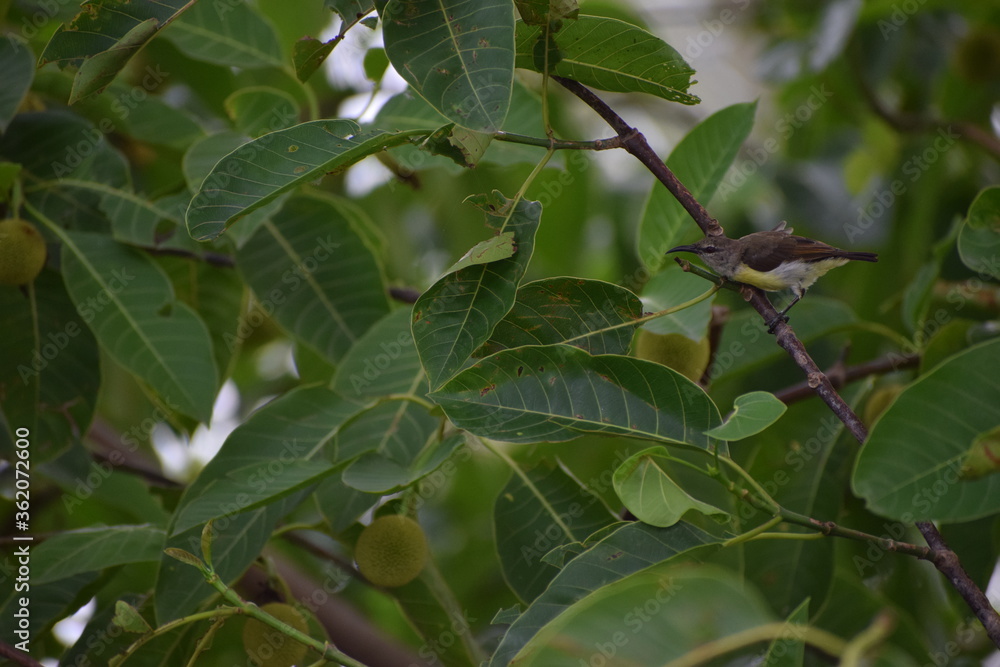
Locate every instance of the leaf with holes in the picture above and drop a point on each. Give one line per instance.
(611, 55)
(104, 36)
(457, 55)
(590, 314)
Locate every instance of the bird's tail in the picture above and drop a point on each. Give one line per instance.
(862, 256)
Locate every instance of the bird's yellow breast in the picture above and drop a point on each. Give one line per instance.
(796, 275)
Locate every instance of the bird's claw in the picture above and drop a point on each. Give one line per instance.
(774, 322)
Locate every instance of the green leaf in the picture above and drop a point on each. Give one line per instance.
(316, 275)
(611, 55)
(457, 55)
(541, 12)
(152, 120)
(350, 11)
(181, 589)
(752, 413)
(376, 63)
(536, 512)
(461, 145)
(263, 169)
(448, 639)
(134, 219)
(670, 288)
(398, 431)
(645, 487)
(807, 477)
(51, 379)
(492, 249)
(557, 392)
(203, 154)
(94, 549)
(979, 240)
(129, 619)
(257, 110)
(700, 162)
(249, 487)
(130, 306)
(909, 469)
(745, 343)
(652, 617)
(102, 39)
(633, 547)
(232, 33)
(590, 314)
(383, 361)
(457, 314)
(381, 473)
(295, 426)
(919, 292)
(17, 71)
(983, 455)
(309, 53)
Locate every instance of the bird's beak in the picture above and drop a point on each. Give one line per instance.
(684, 248)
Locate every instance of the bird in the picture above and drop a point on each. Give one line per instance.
(772, 260)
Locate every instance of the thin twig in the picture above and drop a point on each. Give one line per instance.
(635, 143)
(946, 561)
(843, 376)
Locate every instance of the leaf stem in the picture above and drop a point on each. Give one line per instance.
(559, 144)
(218, 612)
(751, 534)
(826, 642)
(647, 318)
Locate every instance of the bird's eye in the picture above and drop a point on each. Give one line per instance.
(709, 249)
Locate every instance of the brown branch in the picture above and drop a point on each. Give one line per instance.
(947, 563)
(912, 123)
(17, 657)
(404, 294)
(635, 143)
(840, 375)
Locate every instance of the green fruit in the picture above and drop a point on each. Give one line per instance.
(22, 252)
(391, 551)
(268, 647)
(687, 357)
(880, 400)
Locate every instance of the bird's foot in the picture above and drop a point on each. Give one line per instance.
(773, 322)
